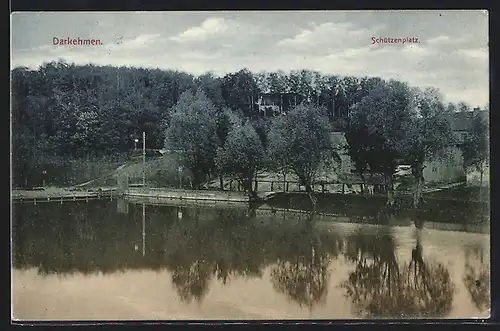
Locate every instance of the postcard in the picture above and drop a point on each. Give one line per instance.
(250, 165)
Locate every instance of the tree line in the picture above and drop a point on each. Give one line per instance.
(393, 123)
(68, 111)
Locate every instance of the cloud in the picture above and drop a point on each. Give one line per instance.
(330, 35)
(139, 42)
(445, 40)
(452, 54)
(416, 49)
(317, 33)
(198, 55)
(439, 40)
(224, 37)
(209, 28)
(475, 54)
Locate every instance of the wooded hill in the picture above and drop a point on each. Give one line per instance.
(70, 112)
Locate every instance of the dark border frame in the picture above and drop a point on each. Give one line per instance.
(138, 5)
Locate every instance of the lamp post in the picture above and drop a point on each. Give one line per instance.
(144, 160)
(135, 144)
(179, 169)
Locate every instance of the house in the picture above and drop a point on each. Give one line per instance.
(451, 168)
(448, 169)
(462, 122)
(272, 104)
(462, 125)
(269, 104)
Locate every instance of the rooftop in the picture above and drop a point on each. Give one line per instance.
(462, 121)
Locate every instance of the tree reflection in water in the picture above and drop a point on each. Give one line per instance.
(193, 282)
(477, 276)
(380, 287)
(303, 276)
(212, 244)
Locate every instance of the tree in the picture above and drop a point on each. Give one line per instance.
(294, 87)
(69, 112)
(301, 141)
(306, 89)
(241, 156)
(451, 107)
(226, 120)
(262, 82)
(240, 90)
(352, 89)
(279, 149)
(86, 126)
(358, 148)
(261, 126)
(476, 148)
(428, 136)
(277, 83)
(211, 85)
(193, 131)
(463, 106)
(377, 129)
(331, 92)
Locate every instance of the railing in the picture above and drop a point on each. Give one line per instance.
(64, 196)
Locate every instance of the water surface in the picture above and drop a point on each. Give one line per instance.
(118, 260)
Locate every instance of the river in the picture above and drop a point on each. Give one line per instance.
(109, 260)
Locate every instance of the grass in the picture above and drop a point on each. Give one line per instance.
(63, 172)
(162, 171)
(462, 192)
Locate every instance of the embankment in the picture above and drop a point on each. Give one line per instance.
(447, 210)
(157, 195)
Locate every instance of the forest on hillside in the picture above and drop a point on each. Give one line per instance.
(63, 113)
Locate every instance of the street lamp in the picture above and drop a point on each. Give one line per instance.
(180, 176)
(135, 144)
(144, 160)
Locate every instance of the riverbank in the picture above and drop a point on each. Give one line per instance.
(267, 214)
(57, 193)
(449, 194)
(148, 195)
(160, 194)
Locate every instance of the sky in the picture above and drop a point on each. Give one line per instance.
(451, 53)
